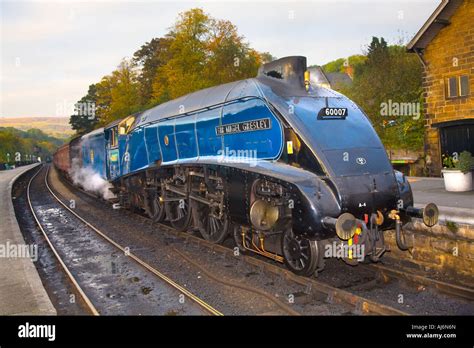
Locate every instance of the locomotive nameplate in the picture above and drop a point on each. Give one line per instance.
(246, 126)
(332, 114)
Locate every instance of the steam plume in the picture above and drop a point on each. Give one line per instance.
(90, 180)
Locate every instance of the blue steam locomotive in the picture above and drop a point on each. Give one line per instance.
(282, 165)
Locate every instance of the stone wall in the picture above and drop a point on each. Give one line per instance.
(450, 53)
(445, 248)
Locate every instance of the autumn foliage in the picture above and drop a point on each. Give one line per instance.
(197, 52)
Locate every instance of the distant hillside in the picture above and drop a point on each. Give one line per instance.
(57, 127)
(29, 143)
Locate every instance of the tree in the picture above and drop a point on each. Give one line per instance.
(118, 94)
(184, 71)
(337, 65)
(377, 48)
(267, 57)
(85, 119)
(390, 76)
(203, 52)
(150, 57)
(30, 143)
(197, 52)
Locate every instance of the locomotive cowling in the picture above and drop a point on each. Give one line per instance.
(372, 197)
(293, 170)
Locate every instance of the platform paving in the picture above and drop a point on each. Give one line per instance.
(453, 206)
(21, 289)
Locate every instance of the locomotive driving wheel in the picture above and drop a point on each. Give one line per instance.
(177, 208)
(154, 206)
(301, 255)
(212, 222)
(134, 201)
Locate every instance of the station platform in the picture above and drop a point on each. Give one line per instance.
(21, 289)
(453, 206)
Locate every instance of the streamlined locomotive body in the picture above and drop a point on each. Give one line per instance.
(282, 165)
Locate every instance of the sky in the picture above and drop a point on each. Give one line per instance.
(51, 51)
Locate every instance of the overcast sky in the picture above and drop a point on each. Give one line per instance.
(52, 51)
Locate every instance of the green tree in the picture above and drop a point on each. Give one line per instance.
(184, 71)
(84, 119)
(197, 52)
(267, 57)
(118, 94)
(338, 65)
(150, 57)
(390, 75)
(30, 143)
(203, 52)
(229, 57)
(378, 49)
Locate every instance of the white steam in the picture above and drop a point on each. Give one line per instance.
(90, 180)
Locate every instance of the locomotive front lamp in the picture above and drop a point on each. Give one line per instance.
(346, 226)
(429, 214)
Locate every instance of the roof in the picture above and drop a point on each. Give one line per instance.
(93, 133)
(437, 21)
(338, 78)
(113, 123)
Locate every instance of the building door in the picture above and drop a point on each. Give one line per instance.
(457, 138)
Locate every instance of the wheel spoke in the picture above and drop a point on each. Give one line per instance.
(212, 225)
(216, 227)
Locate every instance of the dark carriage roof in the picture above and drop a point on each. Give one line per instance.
(95, 132)
(113, 123)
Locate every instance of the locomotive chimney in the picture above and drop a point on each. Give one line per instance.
(290, 69)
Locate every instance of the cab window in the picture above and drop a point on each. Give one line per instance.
(113, 137)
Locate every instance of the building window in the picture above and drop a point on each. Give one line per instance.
(464, 85)
(452, 87)
(457, 86)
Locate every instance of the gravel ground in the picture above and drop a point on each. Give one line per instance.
(396, 293)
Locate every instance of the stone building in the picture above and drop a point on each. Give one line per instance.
(445, 46)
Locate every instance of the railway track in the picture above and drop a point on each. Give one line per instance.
(69, 274)
(420, 280)
(93, 308)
